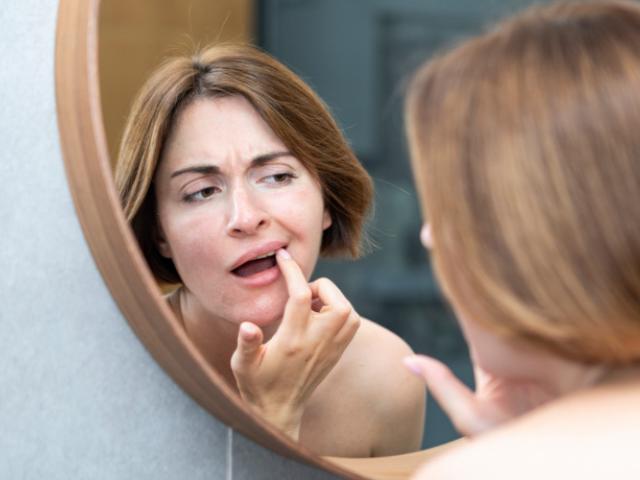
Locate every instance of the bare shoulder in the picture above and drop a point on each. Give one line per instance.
(375, 405)
(590, 435)
(396, 396)
(383, 349)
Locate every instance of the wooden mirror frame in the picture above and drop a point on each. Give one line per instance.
(122, 265)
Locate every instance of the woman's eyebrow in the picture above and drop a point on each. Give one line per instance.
(267, 157)
(206, 169)
(215, 170)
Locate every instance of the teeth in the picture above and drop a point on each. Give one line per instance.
(265, 255)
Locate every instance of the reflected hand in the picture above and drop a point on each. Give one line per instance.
(495, 401)
(278, 377)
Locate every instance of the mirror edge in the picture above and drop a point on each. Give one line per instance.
(113, 247)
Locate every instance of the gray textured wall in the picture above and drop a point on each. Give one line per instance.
(79, 395)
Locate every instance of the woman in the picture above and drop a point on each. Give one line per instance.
(526, 152)
(235, 178)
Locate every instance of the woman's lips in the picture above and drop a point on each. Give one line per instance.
(260, 278)
(259, 267)
(259, 250)
(255, 266)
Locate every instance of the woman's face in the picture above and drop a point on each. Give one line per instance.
(229, 195)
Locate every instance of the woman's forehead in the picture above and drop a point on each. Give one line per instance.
(219, 130)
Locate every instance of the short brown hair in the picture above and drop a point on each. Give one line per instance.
(290, 108)
(526, 152)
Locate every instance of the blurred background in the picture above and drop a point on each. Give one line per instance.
(358, 55)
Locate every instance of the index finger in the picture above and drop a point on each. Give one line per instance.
(330, 296)
(298, 308)
(453, 396)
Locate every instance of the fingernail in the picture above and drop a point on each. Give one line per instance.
(248, 330)
(284, 254)
(412, 364)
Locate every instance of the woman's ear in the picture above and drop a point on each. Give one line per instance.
(160, 241)
(425, 236)
(326, 219)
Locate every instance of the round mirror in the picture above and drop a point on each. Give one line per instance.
(357, 58)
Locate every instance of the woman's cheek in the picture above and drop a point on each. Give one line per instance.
(194, 243)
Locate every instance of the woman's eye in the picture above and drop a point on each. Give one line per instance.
(201, 194)
(279, 178)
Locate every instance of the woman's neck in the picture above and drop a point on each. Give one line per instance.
(566, 376)
(215, 337)
(622, 374)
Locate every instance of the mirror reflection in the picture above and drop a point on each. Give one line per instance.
(228, 158)
(235, 178)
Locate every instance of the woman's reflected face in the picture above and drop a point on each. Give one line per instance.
(228, 195)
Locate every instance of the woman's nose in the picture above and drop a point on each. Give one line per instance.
(246, 214)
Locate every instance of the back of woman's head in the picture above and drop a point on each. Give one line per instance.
(526, 150)
(288, 106)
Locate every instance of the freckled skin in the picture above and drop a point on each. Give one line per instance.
(204, 238)
(380, 406)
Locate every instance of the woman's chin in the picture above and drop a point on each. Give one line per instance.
(264, 314)
(265, 321)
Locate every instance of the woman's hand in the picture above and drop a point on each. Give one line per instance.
(278, 377)
(495, 400)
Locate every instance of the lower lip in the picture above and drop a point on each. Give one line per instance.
(260, 279)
